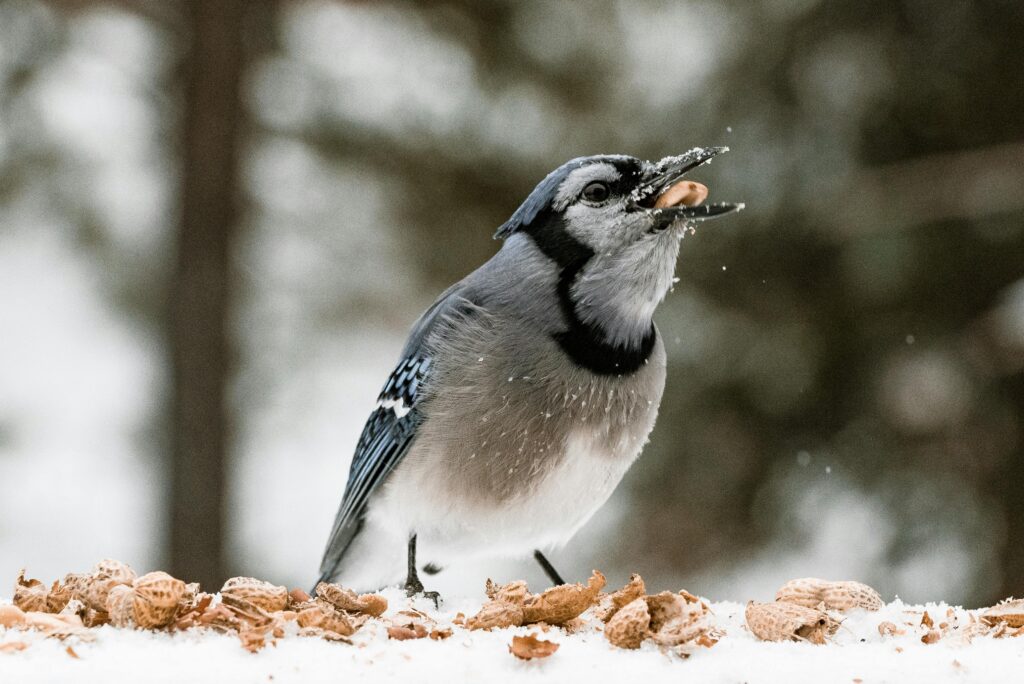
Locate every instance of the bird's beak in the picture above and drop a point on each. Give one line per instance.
(665, 194)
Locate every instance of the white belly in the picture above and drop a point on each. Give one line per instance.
(543, 516)
(448, 529)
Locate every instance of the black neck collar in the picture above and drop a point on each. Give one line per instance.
(583, 342)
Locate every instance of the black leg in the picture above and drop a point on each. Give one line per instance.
(413, 586)
(549, 569)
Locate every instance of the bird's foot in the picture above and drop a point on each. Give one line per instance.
(435, 597)
(413, 587)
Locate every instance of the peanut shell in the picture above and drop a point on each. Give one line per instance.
(157, 596)
(529, 647)
(30, 594)
(788, 621)
(629, 625)
(11, 616)
(58, 598)
(325, 617)
(267, 596)
(94, 588)
(121, 606)
(1010, 611)
(561, 604)
(497, 614)
(811, 592)
(347, 600)
(615, 601)
(108, 568)
(664, 607)
(513, 592)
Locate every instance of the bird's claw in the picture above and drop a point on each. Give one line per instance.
(414, 587)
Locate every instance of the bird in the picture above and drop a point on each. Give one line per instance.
(526, 391)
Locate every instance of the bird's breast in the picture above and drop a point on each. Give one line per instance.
(518, 446)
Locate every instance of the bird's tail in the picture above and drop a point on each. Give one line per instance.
(338, 544)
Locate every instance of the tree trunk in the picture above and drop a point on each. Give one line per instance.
(199, 332)
(1010, 486)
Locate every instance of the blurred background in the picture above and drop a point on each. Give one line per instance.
(219, 219)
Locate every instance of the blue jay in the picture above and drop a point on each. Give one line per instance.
(526, 391)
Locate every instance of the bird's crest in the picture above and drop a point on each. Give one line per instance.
(539, 200)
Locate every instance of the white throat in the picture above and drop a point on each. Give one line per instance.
(618, 293)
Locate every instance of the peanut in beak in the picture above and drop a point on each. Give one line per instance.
(685, 193)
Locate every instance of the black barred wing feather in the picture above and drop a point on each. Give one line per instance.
(388, 434)
(389, 429)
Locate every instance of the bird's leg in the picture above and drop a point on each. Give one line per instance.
(413, 586)
(548, 568)
(412, 580)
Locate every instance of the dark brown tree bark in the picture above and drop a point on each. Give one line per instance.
(1009, 488)
(200, 339)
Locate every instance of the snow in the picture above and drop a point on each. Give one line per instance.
(859, 653)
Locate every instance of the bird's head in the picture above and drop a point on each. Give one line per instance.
(607, 202)
(612, 224)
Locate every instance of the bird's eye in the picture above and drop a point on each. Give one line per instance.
(596, 192)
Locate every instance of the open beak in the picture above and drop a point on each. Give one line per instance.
(669, 197)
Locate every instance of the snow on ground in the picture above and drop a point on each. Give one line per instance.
(859, 654)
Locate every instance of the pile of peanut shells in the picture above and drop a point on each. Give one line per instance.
(811, 609)
(259, 612)
(255, 610)
(677, 622)
(680, 622)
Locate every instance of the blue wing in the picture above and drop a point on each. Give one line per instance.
(388, 434)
